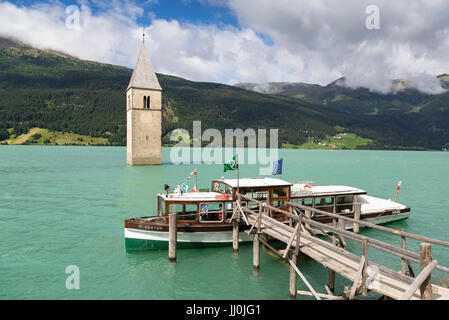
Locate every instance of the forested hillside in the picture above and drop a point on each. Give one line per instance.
(58, 92)
(405, 117)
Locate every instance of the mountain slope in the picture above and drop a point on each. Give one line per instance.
(46, 89)
(58, 92)
(406, 116)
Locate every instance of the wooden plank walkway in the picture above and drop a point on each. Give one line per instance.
(385, 284)
(365, 276)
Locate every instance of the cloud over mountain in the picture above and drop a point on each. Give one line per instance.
(276, 41)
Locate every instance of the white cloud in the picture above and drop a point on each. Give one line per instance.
(109, 37)
(310, 41)
(330, 35)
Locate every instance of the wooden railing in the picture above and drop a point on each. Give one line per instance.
(402, 252)
(306, 227)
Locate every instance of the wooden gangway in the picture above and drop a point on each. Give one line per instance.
(301, 233)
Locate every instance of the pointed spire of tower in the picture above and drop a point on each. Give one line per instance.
(144, 76)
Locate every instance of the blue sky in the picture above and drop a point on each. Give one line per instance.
(192, 11)
(230, 41)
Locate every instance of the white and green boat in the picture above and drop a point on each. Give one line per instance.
(203, 218)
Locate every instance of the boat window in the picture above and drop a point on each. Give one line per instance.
(325, 204)
(280, 192)
(303, 201)
(278, 215)
(185, 212)
(229, 210)
(222, 187)
(216, 187)
(228, 189)
(344, 199)
(308, 202)
(252, 206)
(344, 204)
(280, 204)
(211, 212)
(249, 204)
(260, 195)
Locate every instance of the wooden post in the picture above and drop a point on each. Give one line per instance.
(292, 287)
(235, 225)
(256, 251)
(294, 259)
(256, 241)
(290, 220)
(403, 262)
(235, 235)
(416, 284)
(290, 242)
(330, 287)
(365, 267)
(298, 237)
(334, 236)
(341, 225)
(172, 237)
(425, 250)
(292, 264)
(308, 216)
(357, 211)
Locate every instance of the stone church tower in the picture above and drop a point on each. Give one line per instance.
(144, 114)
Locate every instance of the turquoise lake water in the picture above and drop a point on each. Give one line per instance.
(64, 206)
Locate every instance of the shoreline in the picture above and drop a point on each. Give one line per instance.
(191, 147)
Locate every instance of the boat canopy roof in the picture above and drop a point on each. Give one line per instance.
(196, 197)
(255, 182)
(298, 190)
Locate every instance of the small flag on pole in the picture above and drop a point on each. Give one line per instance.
(231, 165)
(398, 187)
(277, 167)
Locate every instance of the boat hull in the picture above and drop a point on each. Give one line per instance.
(140, 240)
(148, 236)
(380, 220)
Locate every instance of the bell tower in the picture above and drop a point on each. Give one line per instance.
(144, 114)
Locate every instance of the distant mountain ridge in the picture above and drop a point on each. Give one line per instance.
(286, 88)
(58, 92)
(405, 106)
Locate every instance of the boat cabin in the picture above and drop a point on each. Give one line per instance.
(217, 205)
(332, 199)
(271, 189)
(275, 192)
(202, 207)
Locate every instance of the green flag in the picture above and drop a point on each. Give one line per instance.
(231, 165)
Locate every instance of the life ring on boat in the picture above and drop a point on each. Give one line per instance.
(308, 186)
(222, 196)
(220, 216)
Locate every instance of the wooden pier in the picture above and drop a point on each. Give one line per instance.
(300, 234)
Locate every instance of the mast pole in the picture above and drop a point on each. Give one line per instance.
(238, 176)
